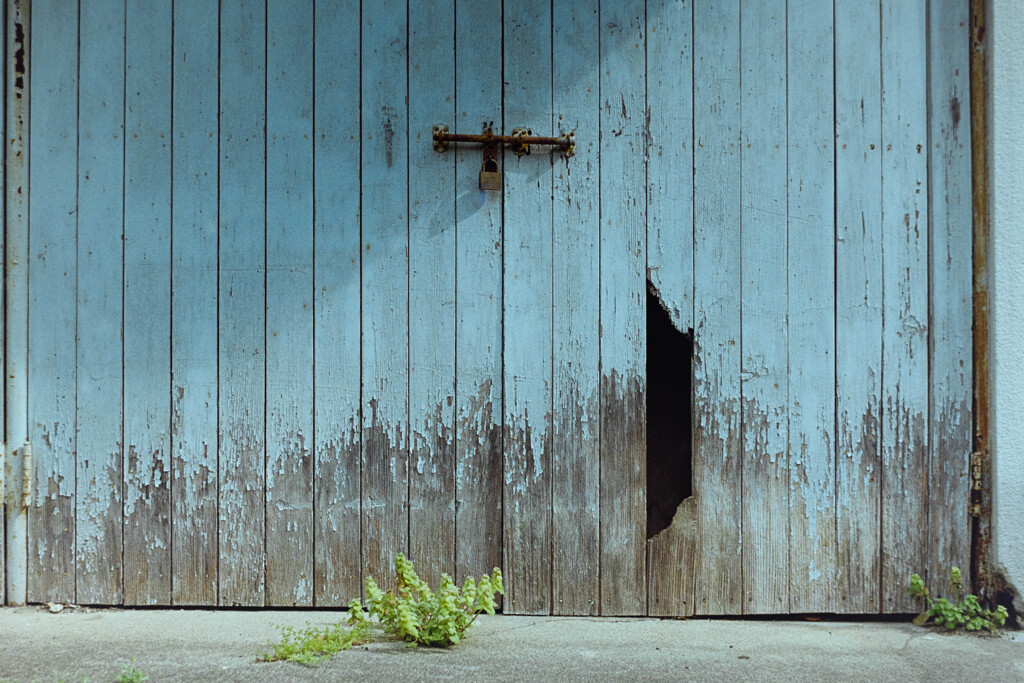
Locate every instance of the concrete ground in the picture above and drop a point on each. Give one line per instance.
(195, 645)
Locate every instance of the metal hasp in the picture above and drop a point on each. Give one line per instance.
(520, 140)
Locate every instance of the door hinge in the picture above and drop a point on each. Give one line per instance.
(3, 470)
(977, 477)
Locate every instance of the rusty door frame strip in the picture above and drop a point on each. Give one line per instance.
(981, 465)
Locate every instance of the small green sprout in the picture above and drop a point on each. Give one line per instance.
(129, 674)
(964, 613)
(311, 646)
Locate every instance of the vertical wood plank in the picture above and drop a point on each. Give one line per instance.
(812, 396)
(478, 296)
(51, 281)
(623, 306)
(431, 292)
(289, 421)
(194, 305)
(17, 262)
(385, 286)
(147, 297)
(670, 254)
(950, 272)
(100, 231)
(336, 304)
(527, 312)
(717, 455)
(241, 312)
(669, 74)
(858, 305)
(576, 372)
(52, 300)
(764, 374)
(905, 300)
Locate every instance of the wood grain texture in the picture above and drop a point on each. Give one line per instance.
(431, 292)
(16, 295)
(335, 347)
(194, 305)
(100, 232)
(669, 75)
(670, 252)
(527, 312)
(289, 421)
(576, 374)
(478, 296)
(905, 301)
(385, 287)
(950, 292)
(904, 254)
(671, 559)
(717, 454)
(811, 268)
(147, 298)
(52, 302)
(336, 410)
(858, 307)
(241, 306)
(764, 331)
(623, 185)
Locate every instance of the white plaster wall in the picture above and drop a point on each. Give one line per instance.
(1006, 159)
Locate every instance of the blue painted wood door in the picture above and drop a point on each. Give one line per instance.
(275, 338)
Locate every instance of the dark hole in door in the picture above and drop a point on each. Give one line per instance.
(669, 391)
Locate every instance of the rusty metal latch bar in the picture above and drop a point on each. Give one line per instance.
(520, 140)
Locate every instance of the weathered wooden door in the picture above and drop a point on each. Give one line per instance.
(274, 338)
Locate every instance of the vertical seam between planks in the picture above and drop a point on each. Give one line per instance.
(789, 363)
(501, 232)
(266, 317)
(170, 342)
(359, 406)
(881, 332)
(78, 114)
(217, 419)
(835, 308)
(312, 306)
(693, 285)
(739, 370)
(647, 265)
(455, 261)
(551, 312)
(409, 430)
(25, 148)
(124, 191)
(929, 290)
(600, 334)
(647, 573)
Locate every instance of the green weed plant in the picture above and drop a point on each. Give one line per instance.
(412, 612)
(421, 616)
(965, 612)
(311, 645)
(129, 674)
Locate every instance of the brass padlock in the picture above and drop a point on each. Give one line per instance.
(490, 176)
